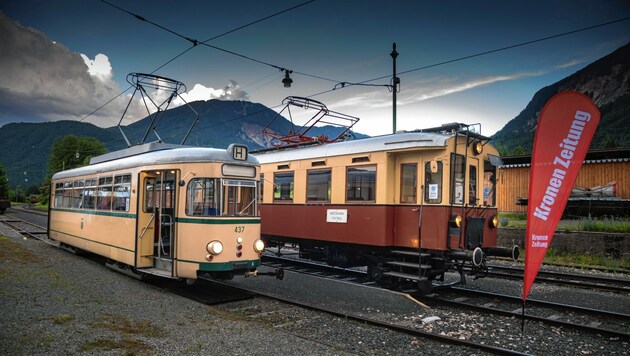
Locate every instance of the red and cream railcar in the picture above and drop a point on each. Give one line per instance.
(411, 206)
(167, 210)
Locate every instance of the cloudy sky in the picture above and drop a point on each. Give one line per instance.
(69, 59)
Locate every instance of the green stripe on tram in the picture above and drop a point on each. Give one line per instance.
(96, 212)
(218, 221)
(224, 266)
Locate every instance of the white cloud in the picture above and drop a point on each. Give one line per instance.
(231, 91)
(99, 67)
(417, 92)
(41, 80)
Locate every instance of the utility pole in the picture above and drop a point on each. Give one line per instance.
(395, 82)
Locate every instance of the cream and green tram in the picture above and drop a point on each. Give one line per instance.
(167, 210)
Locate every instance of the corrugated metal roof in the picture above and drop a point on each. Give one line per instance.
(365, 145)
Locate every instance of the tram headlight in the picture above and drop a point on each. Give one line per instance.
(493, 221)
(215, 247)
(456, 221)
(259, 246)
(239, 240)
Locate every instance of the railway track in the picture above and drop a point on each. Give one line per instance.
(596, 321)
(563, 278)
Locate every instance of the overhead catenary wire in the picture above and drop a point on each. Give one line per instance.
(342, 85)
(193, 46)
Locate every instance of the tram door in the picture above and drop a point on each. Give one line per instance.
(156, 219)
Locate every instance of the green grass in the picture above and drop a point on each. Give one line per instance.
(585, 260)
(614, 225)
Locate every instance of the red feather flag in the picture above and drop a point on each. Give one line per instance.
(563, 135)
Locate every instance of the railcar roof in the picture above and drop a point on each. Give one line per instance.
(372, 144)
(180, 154)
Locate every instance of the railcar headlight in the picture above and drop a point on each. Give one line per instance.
(215, 247)
(259, 245)
(493, 221)
(477, 147)
(239, 240)
(456, 221)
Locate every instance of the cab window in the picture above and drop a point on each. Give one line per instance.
(408, 183)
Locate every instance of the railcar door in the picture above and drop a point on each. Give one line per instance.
(156, 221)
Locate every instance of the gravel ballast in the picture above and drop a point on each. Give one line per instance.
(54, 302)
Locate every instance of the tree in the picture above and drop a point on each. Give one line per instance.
(4, 183)
(69, 152)
(519, 151)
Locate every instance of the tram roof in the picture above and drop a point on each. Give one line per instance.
(389, 142)
(153, 155)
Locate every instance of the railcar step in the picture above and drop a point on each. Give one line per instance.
(408, 264)
(412, 277)
(410, 253)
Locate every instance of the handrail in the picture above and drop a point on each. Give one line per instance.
(148, 224)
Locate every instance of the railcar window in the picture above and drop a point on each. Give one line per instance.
(202, 199)
(433, 184)
(283, 187)
(77, 194)
(361, 184)
(408, 183)
(261, 188)
(89, 194)
(318, 185)
(457, 183)
(472, 185)
(105, 193)
(58, 195)
(489, 183)
(122, 192)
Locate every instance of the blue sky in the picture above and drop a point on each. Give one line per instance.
(64, 59)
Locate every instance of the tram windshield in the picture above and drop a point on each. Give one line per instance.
(221, 197)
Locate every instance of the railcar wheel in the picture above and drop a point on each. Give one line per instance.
(376, 272)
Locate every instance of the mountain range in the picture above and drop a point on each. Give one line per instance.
(606, 81)
(220, 124)
(27, 146)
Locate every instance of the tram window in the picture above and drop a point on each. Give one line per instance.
(318, 185)
(202, 197)
(408, 183)
(457, 192)
(122, 192)
(104, 193)
(160, 191)
(472, 185)
(433, 184)
(67, 195)
(77, 194)
(239, 198)
(283, 187)
(58, 195)
(361, 184)
(89, 194)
